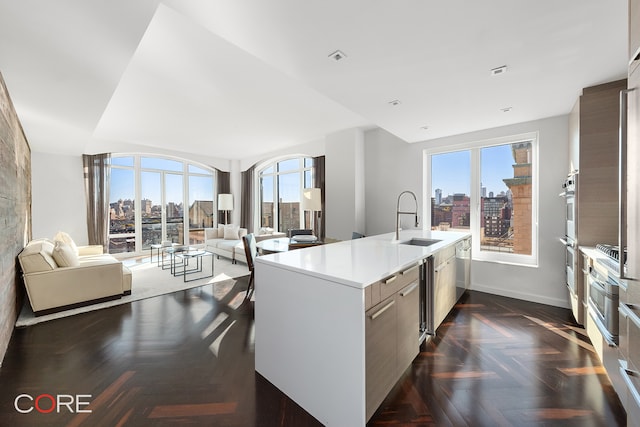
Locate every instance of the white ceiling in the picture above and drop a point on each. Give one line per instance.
(238, 78)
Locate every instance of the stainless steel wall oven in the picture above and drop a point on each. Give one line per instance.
(604, 291)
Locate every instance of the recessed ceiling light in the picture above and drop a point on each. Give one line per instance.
(337, 55)
(498, 71)
(506, 109)
(394, 103)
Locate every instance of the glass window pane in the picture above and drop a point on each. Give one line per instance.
(288, 165)
(121, 211)
(308, 179)
(289, 192)
(174, 208)
(201, 214)
(505, 209)
(122, 161)
(268, 170)
(450, 184)
(308, 162)
(158, 163)
(150, 208)
(196, 169)
(267, 201)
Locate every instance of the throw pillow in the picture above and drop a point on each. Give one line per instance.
(64, 255)
(63, 237)
(231, 232)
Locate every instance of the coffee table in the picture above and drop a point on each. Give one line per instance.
(187, 257)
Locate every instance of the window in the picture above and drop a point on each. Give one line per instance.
(161, 188)
(489, 189)
(281, 185)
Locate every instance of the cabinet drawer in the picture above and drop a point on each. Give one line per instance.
(633, 333)
(408, 275)
(444, 254)
(380, 353)
(371, 295)
(389, 286)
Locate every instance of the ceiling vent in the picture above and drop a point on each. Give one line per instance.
(337, 55)
(498, 71)
(506, 109)
(394, 103)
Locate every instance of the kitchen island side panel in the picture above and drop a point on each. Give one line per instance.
(310, 342)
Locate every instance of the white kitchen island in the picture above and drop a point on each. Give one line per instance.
(311, 320)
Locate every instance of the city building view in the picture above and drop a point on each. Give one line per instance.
(122, 223)
(505, 212)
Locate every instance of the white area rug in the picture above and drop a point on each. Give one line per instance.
(148, 280)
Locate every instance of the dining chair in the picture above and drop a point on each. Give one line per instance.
(300, 232)
(250, 251)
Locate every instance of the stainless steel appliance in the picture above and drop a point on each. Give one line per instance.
(569, 192)
(569, 189)
(603, 300)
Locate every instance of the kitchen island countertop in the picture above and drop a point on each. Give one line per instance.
(360, 262)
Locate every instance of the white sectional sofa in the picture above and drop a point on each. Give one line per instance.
(59, 275)
(226, 240)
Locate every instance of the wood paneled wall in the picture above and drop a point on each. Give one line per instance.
(15, 212)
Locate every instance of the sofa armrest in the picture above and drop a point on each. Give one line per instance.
(90, 250)
(72, 285)
(242, 232)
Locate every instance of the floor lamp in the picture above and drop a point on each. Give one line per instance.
(225, 203)
(312, 201)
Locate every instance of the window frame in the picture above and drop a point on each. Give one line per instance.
(185, 173)
(475, 148)
(302, 169)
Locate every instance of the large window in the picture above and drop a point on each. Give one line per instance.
(489, 189)
(281, 185)
(148, 196)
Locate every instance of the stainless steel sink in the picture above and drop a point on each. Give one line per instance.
(420, 242)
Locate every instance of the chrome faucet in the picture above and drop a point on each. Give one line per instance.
(398, 212)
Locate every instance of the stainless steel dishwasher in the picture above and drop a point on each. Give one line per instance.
(463, 266)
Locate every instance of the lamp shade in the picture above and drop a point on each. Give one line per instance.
(311, 199)
(225, 202)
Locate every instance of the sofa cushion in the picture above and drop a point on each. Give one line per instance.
(231, 232)
(61, 236)
(37, 256)
(227, 245)
(64, 255)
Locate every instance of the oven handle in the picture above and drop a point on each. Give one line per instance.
(567, 243)
(603, 330)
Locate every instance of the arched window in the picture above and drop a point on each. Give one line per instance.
(175, 199)
(281, 184)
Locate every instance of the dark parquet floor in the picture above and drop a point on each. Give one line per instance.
(187, 358)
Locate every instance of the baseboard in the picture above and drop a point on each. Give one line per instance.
(540, 299)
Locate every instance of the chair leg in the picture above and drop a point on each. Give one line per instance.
(250, 286)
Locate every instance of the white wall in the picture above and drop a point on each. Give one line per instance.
(393, 166)
(58, 202)
(344, 183)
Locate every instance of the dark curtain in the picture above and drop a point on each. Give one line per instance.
(223, 180)
(318, 165)
(97, 174)
(247, 208)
